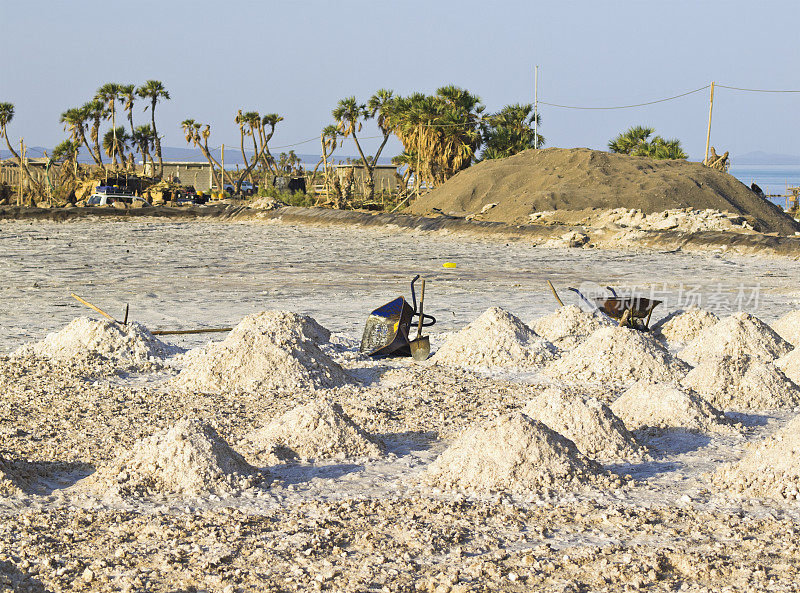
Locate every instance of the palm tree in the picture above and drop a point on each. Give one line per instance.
(142, 137)
(114, 142)
(197, 135)
(636, 142)
(271, 120)
(509, 131)
(95, 112)
(127, 96)
(109, 94)
(154, 91)
(6, 115)
(75, 122)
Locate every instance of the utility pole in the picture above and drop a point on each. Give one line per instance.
(21, 160)
(536, 107)
(222, 174)
(708, 133)
(419, 140)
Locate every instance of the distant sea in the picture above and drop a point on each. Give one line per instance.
(773, 179)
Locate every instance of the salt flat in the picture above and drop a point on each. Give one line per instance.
(71, 433)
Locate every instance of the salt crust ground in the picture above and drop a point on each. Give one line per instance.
(568, 326)
(663, 406)
(681, 327)
(770, 468)
(315, 431)
(105, 345)
(496, 339)
(617, 356)
(591, 425)
(742, 383)
(188, 459)
(265, 351)
(740, 333)
(788, 327)
(514, 453)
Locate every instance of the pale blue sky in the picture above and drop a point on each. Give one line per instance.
(298, 58)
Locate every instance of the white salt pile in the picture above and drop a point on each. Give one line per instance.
(618, 356)
(742, 383)
(681, 327)
(790, 365)
(568, 326)
(496, 339)
(86, 340)
(663, 406)
(515, 453)
(188, 459)
(318, 430)
(271, 350)
(591, 425)
(771, 467)
(788, 327)
(737, 334)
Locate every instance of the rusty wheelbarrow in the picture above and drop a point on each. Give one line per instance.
(630, 311)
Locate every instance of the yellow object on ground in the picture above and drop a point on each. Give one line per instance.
(449, 264)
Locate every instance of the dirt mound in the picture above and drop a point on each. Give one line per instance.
(738, 334)
(268, 350)
(13, 482)
(663, 406)
(788, 327)
(770, 468)
(514, 453)
(568, 326)
(495, 339)
(742, 383)
(681, 327)
(89, 341)
(591, 425)
(319, 430)
(188, 459)
(618, 356)
(581, 179)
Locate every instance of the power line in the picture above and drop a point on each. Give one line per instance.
(736, 88)
(629, 106)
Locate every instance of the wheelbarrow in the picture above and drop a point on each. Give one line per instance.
(628, 311)
(387, 328)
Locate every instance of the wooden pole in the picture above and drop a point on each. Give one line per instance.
(419, 179)
(708, 133)
(536, 107)
(21, 158)
(91, 306)
(222, 173)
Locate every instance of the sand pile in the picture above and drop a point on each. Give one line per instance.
(591, 425)
(790, 365)
(496, 339)
(188, 459)
(568, 326)
(788, 327)
(271, 350)
(740, 333)
(319, 430)
(579, 179)
(89, 341)
(648, 405)
(681, 327)
(742, 383)
(618, 356)
(771, 467)
(514, 453)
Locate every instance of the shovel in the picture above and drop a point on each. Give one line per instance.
(420, 346)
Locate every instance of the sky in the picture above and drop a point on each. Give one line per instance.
(298, 58)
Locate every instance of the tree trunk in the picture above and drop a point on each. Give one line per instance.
(157, 139)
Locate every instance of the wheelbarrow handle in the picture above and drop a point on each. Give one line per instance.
(583, 298)
(414, 294)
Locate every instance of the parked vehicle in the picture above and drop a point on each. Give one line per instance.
(247, 188)
(107, 199)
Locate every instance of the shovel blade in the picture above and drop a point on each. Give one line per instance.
(420, 348)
